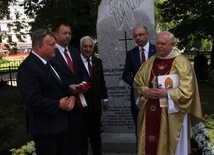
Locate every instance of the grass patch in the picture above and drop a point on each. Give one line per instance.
(207, 98)
(2, 61)
(6, 65)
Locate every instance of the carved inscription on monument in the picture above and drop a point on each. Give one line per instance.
(118, 118)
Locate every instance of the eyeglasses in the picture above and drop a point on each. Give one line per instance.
(140, 35)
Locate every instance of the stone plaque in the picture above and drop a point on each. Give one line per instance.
(115, 23)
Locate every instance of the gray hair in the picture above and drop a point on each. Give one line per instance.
(86, 38)
(171, 36)
(38, 36)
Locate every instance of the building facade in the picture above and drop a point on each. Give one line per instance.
(16, 19)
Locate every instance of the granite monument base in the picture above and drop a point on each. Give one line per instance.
(118, 143)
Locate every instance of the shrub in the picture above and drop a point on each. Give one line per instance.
(27, 149)
(12, 120)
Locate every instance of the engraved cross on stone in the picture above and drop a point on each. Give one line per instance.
(125, 40)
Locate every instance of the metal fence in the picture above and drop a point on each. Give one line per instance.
(8, 73)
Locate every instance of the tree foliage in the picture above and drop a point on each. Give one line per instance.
(192, 20)
(81, 15)
(4, 4)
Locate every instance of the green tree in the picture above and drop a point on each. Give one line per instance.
(193, 21)
(4, 4)
(81, 15)
(17, 25)
(158, 18)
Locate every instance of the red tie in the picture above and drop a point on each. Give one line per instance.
(143, 55)
(70, 63)
(78, 101)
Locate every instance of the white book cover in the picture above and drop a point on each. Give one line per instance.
(167, 81)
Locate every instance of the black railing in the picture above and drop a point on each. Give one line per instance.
(8, 73)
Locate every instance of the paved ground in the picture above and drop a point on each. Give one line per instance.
(118, 144)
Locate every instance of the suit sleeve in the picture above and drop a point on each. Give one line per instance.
(82, 74)
(33, 91)
(127, 72)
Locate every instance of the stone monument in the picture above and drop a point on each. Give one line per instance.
(115, 23)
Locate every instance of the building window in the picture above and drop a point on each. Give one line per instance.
(9, 27)
(9, 38)
(8, 17)
(17, 15)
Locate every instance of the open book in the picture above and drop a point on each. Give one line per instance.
(167, 81)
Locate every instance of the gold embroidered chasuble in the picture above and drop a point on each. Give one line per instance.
(185, 96)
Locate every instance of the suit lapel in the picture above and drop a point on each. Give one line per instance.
(93, 68)
(62, 60)
(137, 56)
(44, 67)
(151, 50)
(38, 62)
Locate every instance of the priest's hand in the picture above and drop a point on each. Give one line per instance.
(155, 93)
(149, 93)
(160, 92)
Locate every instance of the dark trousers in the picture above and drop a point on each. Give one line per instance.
(74, 130)
(56, 144)
(91, 123)
(134, 112)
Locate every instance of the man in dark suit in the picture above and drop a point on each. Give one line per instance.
(45, 96)
(96, 98)
(134, 58)
(73, 73)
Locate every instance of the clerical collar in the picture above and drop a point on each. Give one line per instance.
(166, 57)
